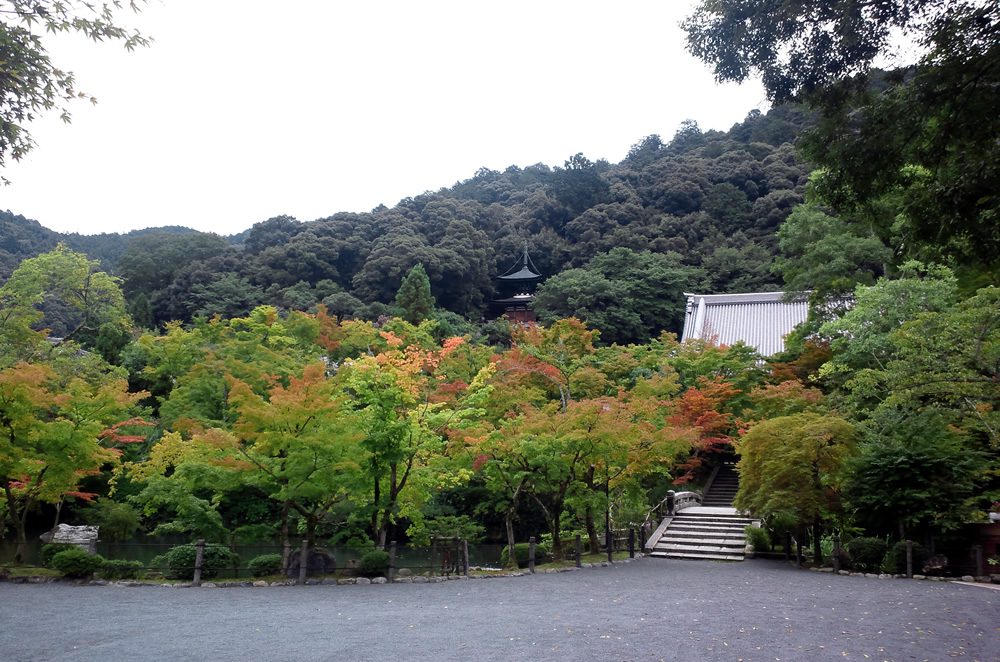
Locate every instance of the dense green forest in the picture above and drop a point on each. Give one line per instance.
(706, 205)
(342, 379)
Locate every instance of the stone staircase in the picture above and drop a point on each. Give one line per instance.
(714, 530)
(723, 488)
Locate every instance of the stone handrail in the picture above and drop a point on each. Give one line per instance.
(686, 499)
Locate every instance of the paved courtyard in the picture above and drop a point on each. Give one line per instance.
(651, 609)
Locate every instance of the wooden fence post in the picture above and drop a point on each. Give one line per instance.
(465, 557)
(392, 561)
(836, 552)
(631, 543)
(909, 559)
(199, 559)
(303, 562)
(579, 551)
(531, 555)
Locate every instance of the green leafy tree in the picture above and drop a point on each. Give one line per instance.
(795, 467)
(52, 431)
(64, 294)
(414, 295)
(629, 296)
(862, 340)
(915, 474)
(30, 83)
(926, 129)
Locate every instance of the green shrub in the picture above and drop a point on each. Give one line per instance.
(542, 554)
(77, 563)
(265, 564)
(179, 561)
(759, 538)
(120, 569)
(48, 551)
(895, 560)
(374, 564)
(867, 553)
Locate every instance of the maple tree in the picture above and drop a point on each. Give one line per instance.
(51, 432)
(404, 415)
(794, 468)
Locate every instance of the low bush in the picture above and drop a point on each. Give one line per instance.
(265, 564)
(542, 554)
(77, 563)
(374, 564)
(179, 561)
(121, 569)
(867, 553)
(759, 538)
(895, 560)
(48, 551)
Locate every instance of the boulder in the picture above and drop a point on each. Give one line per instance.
(84, 537)
(320, 562)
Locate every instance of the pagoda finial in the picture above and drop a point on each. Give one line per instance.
(526, 252)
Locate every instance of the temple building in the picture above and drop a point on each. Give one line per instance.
(516, 289)
(761, 320)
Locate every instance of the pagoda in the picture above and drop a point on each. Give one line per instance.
(517, 290)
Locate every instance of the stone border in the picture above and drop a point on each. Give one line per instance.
(967, 579)
(329, 581)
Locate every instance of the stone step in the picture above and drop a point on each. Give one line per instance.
(698, 556)
(727, 530)
(692, 526)
(699, 549)
(700, 535)
(668, 543)
(708, 522)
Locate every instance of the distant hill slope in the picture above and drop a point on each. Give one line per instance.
(713, 200)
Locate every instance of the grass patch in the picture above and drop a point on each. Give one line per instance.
(30, 571)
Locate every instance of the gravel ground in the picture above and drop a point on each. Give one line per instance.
(652, 609)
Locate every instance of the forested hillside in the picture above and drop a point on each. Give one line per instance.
(387, 413)
(706, 205)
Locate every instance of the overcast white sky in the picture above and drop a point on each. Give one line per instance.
(242, 110)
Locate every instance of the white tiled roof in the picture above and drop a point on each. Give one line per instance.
(761, 320)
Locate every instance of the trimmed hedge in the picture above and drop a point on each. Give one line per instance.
(264, 565)
(48, 551)
(121, 569)
(374, 564)
(179, 561)
(77, 563)
(542, 554)
(759, 538)
(867, 553)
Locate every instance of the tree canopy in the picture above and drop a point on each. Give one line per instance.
(30, 83)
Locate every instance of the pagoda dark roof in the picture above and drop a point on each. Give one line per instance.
(524, 274)
(517, 298)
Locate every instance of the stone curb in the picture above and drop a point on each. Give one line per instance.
(344, 581)
(986, 579)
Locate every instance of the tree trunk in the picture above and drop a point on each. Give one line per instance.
(285, 543)
(509, 522)
(20, 534)
(556, 531)
(376, 497)
(817, 547)
(593, 542)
